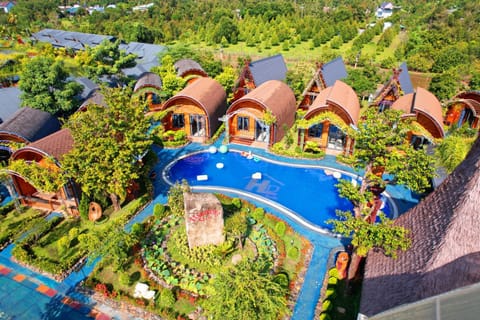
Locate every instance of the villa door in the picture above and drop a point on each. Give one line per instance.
(197, 125)
(261, 131)
(336, 138)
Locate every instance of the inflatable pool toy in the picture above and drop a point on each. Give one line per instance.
(223, 149)
(202, 177)
(219, 165)
(337, 175)
(256, 159)
(212, 149)
(257, 176)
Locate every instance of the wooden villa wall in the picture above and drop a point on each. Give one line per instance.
(323, 140)
(187, 108)
(247, 109)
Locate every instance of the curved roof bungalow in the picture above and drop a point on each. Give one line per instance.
(260, 117)
(25, 126)
(189, 69)
(196, 109)
(464, 109)
(426, 110)
(54, 146)
(444, 254)
(149, 85)
(330, 118)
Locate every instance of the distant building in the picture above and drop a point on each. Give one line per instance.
(385, 10)
(189, 69)
(7, 6)
(147, 54)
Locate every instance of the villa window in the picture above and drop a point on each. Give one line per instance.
(243, 123)
(178, 120)
(316, 130)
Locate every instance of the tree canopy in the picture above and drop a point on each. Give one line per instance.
(246, 291)
(46, 86)
(108, 144)
(106, 59)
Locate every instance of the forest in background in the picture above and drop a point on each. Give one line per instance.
(437, 39)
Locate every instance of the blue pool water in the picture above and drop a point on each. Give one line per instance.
(308, 191)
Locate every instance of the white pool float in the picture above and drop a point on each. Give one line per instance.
(257, 176)
(219, 165)
(202, 177)
(212, 149)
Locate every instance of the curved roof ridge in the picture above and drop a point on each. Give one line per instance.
(30, 124)
(183, 66)
(429, 104)
(341, 95)
(148, 79)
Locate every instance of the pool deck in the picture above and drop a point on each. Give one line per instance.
(25, 294)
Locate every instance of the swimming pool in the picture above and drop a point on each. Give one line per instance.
(308, 191)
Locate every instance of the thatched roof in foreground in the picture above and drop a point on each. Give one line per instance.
(445, 251)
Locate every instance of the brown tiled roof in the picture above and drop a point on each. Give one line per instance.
(425, 103)
(275, 96)
(148, 79)
(185, 66)
(206, 93)
(445, 252)
(341, 96)
(55, 145)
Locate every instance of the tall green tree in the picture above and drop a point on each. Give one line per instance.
(381, 146)
(45, 85)
(246, 291)
(108, 144)
(106, 59)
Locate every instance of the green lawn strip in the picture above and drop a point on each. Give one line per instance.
(46, 251)
(14, 224)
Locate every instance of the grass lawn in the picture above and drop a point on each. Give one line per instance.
(59, 248)
(13, 224)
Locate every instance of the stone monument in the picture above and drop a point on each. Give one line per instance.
(203, 219)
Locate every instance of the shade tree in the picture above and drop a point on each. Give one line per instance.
(46, 85)
(383, 156)
(109, 142)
